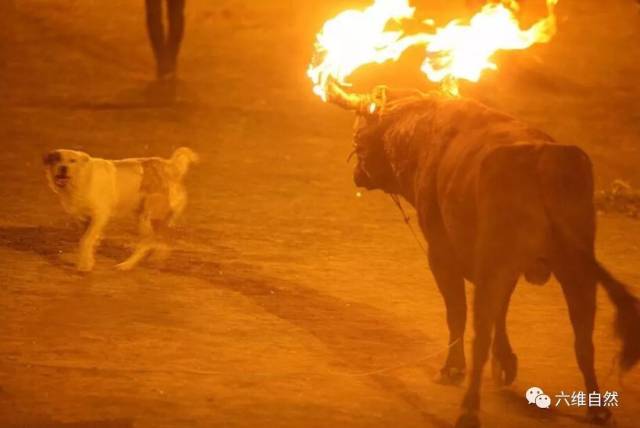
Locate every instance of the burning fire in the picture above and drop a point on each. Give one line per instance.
(355, 38)
(456, 51)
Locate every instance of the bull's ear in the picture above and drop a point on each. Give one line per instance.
(51, 157)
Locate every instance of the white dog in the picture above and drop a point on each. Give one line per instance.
(94, 190)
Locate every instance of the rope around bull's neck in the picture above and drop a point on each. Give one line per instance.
(407, 220)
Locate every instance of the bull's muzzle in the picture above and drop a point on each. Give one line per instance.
(362, 179)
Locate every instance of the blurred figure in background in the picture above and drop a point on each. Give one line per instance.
(165, 44)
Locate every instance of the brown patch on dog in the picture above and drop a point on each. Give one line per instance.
(154, 177)
(155, 188)
(51, 158)
(157, 206)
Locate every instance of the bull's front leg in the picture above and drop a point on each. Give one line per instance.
(491, 293)
(450, 282)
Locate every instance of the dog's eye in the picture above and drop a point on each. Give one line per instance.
(72, 161)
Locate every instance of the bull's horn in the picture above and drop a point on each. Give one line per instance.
(371, 103)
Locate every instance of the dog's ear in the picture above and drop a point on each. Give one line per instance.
(51, 158)
(84, 157)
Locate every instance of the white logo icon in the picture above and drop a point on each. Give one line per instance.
(543, 401)
(532, 393)
(536, 395)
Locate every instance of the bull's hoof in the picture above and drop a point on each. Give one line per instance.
(450, 376)
(600, 416)
(504, 370)
(468, 420)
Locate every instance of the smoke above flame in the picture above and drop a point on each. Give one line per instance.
(456, 51)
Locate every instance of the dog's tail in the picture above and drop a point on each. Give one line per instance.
(182, 158)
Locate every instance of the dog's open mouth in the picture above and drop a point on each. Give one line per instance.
(61, 180)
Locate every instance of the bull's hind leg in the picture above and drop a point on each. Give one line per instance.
(451, 285)
(491, 294)
(579, 287)
(504, 363)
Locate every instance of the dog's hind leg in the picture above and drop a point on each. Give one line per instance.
(143, 247)
(178, 203)
(152, 221)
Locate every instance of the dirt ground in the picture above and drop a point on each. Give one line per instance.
(289, 301)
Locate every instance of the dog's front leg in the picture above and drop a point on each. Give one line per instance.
(91, 237)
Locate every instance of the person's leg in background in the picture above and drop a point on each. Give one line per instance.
(175, 11)
(156, 35)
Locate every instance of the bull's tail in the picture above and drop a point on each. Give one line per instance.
(182, 158)
(627, 318)
(567, 181)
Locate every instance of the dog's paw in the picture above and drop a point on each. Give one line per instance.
(125, 266)
(160, 253)
(68, 259)
(85, 265)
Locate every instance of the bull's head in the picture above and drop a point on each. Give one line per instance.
(373, 169)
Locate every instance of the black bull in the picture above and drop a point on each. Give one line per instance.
(496, 199)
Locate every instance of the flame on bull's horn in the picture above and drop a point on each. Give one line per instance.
(456, 51)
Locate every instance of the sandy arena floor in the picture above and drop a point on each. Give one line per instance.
(289, 301)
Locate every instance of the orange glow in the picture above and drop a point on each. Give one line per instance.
(456, 51)
(355, 38)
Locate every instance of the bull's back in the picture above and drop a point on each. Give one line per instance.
(566, 178)
(530, 198)
(504, 189)
(512, 226)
